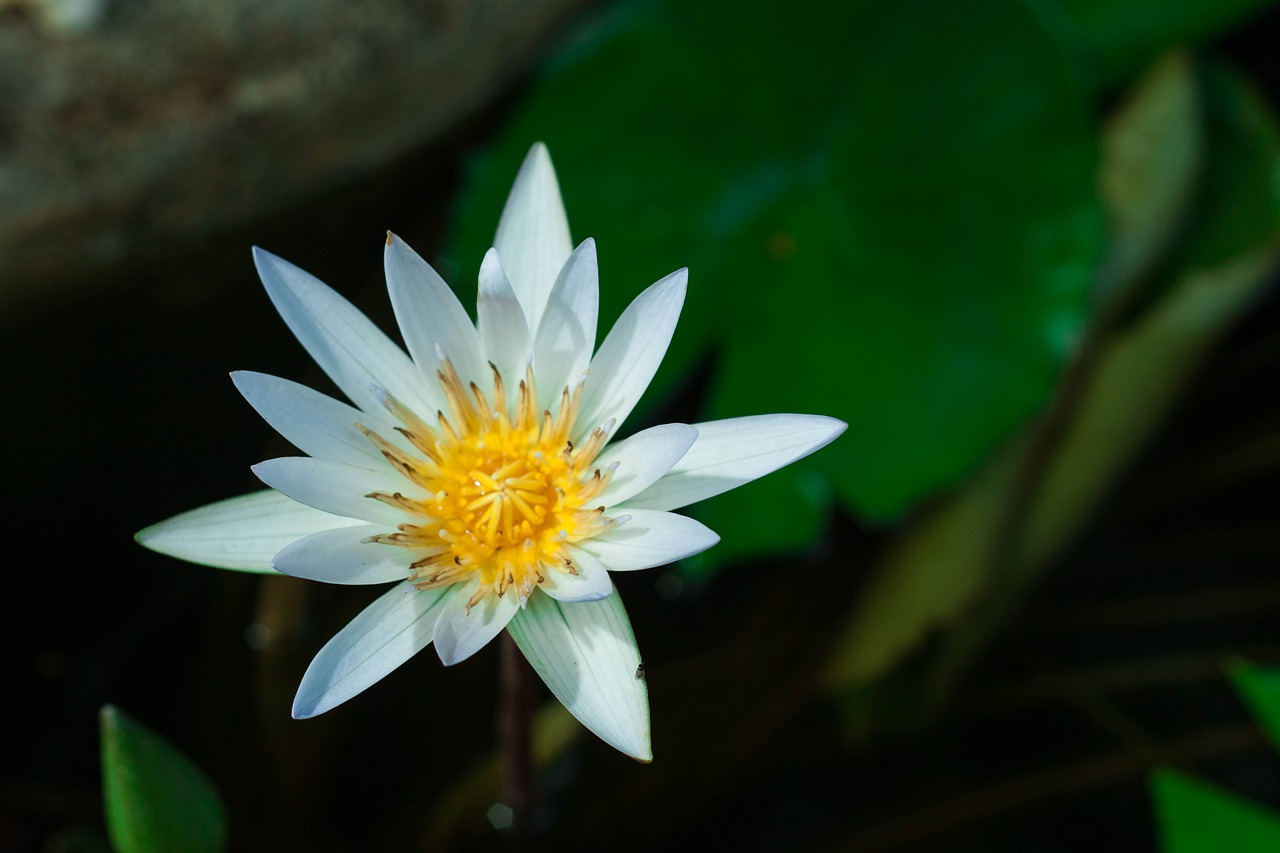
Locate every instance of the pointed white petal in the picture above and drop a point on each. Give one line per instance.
(315, 423)
(650, 538)
(345, 343)
(504, 332)
(533, 233)
(643, 458)
(630, 355)
(566, 336)
(731, 452)
(461, 633)
(587, 655)
(385, 634)
(336, 488)
(342, 556)
(429, 315)
(241, 533)
(591, 583)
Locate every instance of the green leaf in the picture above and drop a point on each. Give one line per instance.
(157, 800)
(1260, 689)
(891, 220)
(1152, 153)
(1195, 817)
(1139, 378)
(928, 286)
(1122, 36)
(966, 560)
(1223, 262)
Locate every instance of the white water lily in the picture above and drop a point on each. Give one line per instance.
(477, 472)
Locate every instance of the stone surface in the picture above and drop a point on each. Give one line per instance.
(128, 123)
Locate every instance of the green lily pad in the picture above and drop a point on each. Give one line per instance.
(891, 220)
(935, 278)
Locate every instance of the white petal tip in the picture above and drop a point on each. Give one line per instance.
(305, 709)
(539, 155)
(262, 256)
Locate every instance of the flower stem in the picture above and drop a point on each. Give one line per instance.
(515, 726)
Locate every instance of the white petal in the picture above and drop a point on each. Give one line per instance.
(567, 334)
(385, 634)
(336, 488)
(643, 458)
(345, 343)
(241, 533)
(461, 633)
(650, 538)
(315, 423)
(731, 452)
(590, 584)
(587, 655)
(504, 333)
(342, 556)
(429, 316)
(630, 355)
(533, 233)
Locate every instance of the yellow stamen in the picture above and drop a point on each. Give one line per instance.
(504, 489)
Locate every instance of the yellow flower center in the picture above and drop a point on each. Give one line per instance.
(506, 491)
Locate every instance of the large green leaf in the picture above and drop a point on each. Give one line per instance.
(157, 800)
(889, 215)
(1195, 817)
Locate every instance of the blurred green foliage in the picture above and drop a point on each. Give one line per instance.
(156, 800)
(1259, 687)
(1193, 136)
(1196, 817)
(1193, 816)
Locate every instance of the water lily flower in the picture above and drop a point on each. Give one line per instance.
(478, 472)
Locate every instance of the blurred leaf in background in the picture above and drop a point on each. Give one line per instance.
(1259, 687)
(1193, 816)
(157, 800)
(1191, 134)
(890, 217)
(1196, 817)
